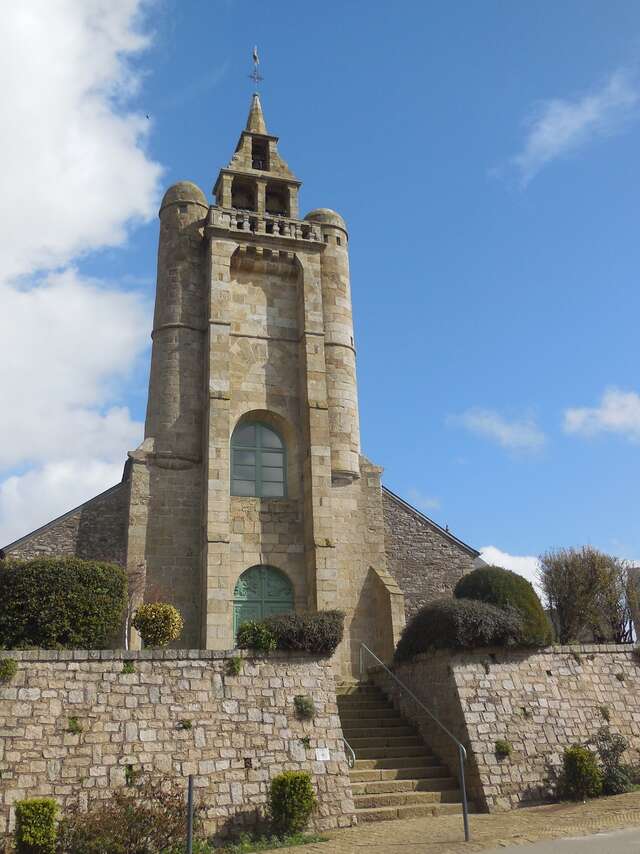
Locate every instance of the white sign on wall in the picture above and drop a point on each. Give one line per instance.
(322, 754)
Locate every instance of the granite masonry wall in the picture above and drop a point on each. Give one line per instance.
(425, 560)
(540, 702)
(97, 530)
(243, 730)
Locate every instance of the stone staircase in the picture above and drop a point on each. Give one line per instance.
(395, 775)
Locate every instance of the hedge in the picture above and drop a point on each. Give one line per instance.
(502, 588)
(60, 602)
(317, 633)
(458, 624)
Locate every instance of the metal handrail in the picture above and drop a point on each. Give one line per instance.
(351, 761)
(462, 753)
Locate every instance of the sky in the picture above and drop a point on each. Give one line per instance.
(484, 156)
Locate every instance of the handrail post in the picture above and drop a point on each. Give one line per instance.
(190, 816)
(463, 787)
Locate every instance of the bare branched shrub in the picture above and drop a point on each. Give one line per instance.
(592, 595)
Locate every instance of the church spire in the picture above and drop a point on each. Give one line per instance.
(255, 121)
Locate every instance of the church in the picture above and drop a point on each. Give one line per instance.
(250, 494)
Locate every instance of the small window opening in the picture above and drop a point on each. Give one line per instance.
(260, 154)
(276, 201)
(182, 208)
(243, 195)
(326, 238)
(338, 241)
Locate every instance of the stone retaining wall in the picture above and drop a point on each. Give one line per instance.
(540, 702)
(241, 730)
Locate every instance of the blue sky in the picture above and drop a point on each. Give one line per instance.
(484, 156)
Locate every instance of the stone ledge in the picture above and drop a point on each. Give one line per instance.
(149, 655)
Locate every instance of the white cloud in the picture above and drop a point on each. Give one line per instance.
(65, 345)
(618, 412)
(75, 178)
(525, 565)
(559, 126)
(421, 501)
(519, 434)
(74, 169)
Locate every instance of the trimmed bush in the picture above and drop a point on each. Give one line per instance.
(36, 830)
(502, 588)
(61, 603)
(458, 624)
(291, 801)
(318, 633)
(255, 635)
(8, 669)
(158, 623)
(581, 777)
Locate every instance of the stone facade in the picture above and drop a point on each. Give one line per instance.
(540, 702)
(253, 324)
(243, 731)
(425, 559)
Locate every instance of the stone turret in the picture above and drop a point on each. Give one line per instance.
(174, 409)
(340, 356)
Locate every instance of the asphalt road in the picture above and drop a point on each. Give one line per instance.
(616, 842)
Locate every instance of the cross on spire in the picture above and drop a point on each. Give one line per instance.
(255, 74)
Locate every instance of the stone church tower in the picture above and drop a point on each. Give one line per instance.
(249, 494)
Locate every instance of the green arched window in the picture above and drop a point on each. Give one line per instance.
(258, 461)
(259, 592)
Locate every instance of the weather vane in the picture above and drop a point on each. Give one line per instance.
(255, 75)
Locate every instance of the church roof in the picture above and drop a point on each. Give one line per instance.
(444, 531)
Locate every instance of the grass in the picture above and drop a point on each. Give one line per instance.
(247, 844)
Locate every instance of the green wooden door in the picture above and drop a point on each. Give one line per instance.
(261, 591)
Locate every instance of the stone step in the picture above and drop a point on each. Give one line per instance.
(355, 690)
(409, 811)
(398, 799)
(367, 714)
(373, 741)
(355, 705)
(388, 754)
(377, 731)
(359, 728)
(429, 784)
(414, 772)
(349, 723)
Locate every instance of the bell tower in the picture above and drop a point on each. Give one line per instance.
(249, 493)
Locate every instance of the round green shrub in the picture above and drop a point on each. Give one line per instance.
(291, 801)
(581, 776)
(256, 635)
(502, 588)
(36, 826)
(458, 624)
(158, 623)
(61, 602)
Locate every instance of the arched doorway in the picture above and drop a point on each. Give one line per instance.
(259, 592)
